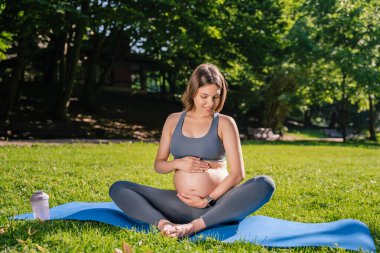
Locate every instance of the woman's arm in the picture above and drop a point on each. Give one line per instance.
(161, 163)
(232, 146)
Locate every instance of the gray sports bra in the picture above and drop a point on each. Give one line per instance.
(208, 147)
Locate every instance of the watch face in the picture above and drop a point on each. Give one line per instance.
(211, 202)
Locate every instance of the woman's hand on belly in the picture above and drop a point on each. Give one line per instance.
(192, 200)
(192, 164)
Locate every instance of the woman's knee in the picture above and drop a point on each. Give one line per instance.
(268, 181)
(264, 182)
(116, 188)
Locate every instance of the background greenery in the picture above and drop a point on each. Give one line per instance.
(316, 182)
(313, 61)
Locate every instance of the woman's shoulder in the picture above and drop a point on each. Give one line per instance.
(174, 117)
(227, 125)
(225, 120)
(172, 120)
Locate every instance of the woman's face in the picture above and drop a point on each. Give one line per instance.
(207, 99)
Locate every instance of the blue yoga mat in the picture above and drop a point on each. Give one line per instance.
(266, 231)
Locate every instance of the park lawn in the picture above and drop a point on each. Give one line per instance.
(306, 134)
(316, 182)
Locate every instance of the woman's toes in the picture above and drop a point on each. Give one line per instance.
(185, 230)
(173, 235)
(167, 229)
(170, 230)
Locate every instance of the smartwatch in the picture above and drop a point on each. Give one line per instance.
(210, 201)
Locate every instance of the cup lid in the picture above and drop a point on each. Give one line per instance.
(39, 195)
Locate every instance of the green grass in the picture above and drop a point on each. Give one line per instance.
(316, 182)
(306, 134)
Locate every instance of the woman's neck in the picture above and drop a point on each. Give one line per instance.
(198, 115)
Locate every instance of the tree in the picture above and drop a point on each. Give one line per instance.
(5, 38)
(73, 44)
(17, 21)
(340, 45)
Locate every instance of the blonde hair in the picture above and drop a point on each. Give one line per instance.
(204, 74)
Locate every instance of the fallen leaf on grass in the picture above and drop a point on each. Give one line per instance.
(30, 232)
(117, 250)
(2, 231)
(21, 241)
(127, 248)
(40, 248)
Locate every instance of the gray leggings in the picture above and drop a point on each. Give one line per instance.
(150, 205)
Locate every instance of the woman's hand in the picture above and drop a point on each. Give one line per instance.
(192, 164)
(192, 200)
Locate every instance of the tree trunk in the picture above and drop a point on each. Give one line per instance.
(163, 84)
(72, 63)
(90, 86)
(333, 120)
(50, 75)
(62, 48)
(56, 78)
(371, 121)
(307, 118)
(172, 76)
(14, 81)
(343, 109)
(117, 56)
(143, 86)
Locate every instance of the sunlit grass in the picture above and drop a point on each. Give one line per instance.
(315, 183)
(306, 134)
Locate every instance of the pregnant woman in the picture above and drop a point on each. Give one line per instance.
(201, 141)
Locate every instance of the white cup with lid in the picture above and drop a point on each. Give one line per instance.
(40, 205)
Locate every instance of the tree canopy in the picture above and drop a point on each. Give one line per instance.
(281, 58)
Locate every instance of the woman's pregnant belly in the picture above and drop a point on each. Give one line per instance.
(201, 184)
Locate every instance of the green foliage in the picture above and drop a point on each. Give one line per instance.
(5, 43)
(278, 55)
(316, 182)
(337, 38)
(5, 38)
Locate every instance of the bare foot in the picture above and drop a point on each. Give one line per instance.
(167, 228)
(189, 229)
(183, 230)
